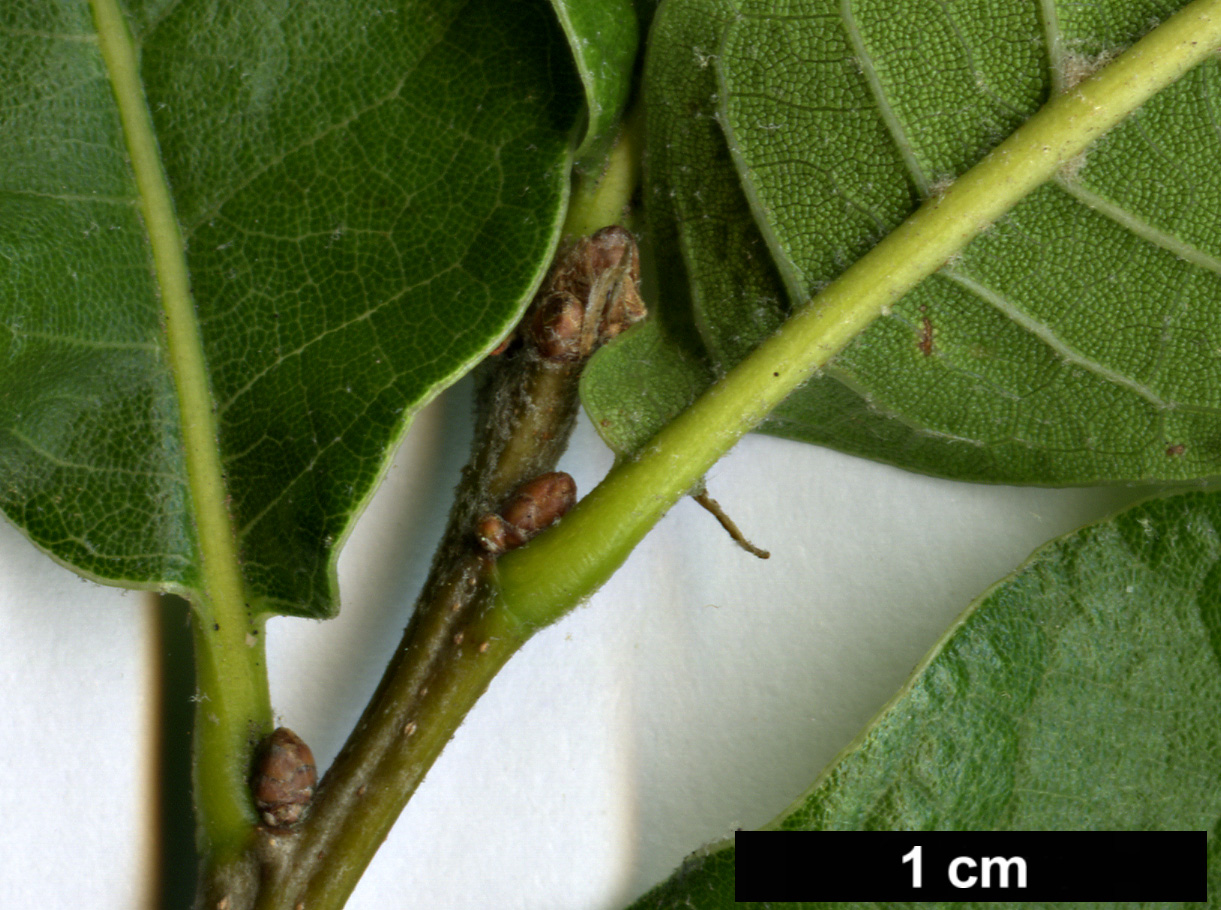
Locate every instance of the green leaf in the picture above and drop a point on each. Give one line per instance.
(636, 390)
(704, 244)
(1076, 341)
(632, 388)
(1081, 693)
(366, 200)
(603, 36)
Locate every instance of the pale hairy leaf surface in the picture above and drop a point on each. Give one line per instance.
(1077, 341)
(603, 36)
(1080, 693)
(367, 197)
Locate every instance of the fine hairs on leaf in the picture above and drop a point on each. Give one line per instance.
(243, 247)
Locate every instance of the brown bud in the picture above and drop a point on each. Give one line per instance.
(556, 327)
(283, 780)
(623, 310)
(533, 507)
(496, 535)
(541, 502)
(613, 296)
(607, 249)
(590, 296)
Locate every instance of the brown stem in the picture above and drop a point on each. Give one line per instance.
(453, 646)
(447, 658)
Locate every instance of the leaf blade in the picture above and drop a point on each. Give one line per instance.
(603, 37)
(246, 104)
(63, 369)
(1004, 367)
(1079, 693)
(1054, 415)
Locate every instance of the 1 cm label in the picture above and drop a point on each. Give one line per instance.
(969, 872)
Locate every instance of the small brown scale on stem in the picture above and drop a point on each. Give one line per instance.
(590, 297)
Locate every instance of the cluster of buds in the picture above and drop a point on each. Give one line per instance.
(534, 506)
(590, 297)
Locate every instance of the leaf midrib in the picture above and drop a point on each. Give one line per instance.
(221, 578)
(229, 655)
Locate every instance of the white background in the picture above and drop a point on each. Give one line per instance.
(700, 690)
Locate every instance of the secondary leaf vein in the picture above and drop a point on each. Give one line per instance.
(1053, 341)
(1140, 227)
(888, 114)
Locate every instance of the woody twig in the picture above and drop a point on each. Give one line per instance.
(526, 409)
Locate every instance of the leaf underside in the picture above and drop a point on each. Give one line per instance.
(1082, 693)
(1077, 341)
(368, 198)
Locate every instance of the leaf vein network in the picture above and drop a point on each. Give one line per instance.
(158, 20)
(73, 197)
(276, 160)
(87, 343)
(60, 462)
(347, 323)
(87, 38)
(1053, 341)
(1140, 227)
(890, 117)
(338, 439)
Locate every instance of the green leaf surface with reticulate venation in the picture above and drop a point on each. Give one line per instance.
(367, 199)
(1076, 341)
